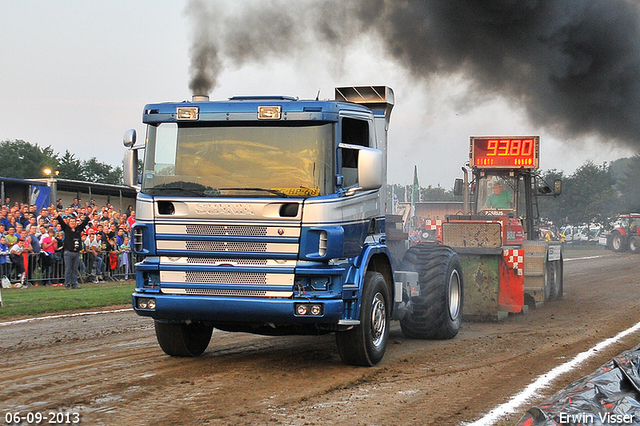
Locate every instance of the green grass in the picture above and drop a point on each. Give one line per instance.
(583, 250)
(42, 300)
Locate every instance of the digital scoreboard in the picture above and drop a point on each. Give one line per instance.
(504, 152)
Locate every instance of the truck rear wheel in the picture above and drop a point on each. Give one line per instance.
(437, 312)
(366, 343)
(186, 340)
(617, 244)
(634, 244)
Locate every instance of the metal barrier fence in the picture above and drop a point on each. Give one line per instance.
(44, 269)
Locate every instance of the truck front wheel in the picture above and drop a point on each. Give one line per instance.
(186, 340)
(437, 312)
(366, 343)
(634, 244)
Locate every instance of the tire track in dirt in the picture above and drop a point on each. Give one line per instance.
(111, 370)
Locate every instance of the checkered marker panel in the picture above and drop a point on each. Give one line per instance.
(514, 259)
(432, 224)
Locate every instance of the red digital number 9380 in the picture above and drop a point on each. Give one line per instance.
(509, 147)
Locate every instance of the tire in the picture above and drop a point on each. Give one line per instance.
(617, 243)
(550, 278)
(634, 244)
(437, 312)
(560, 274)
(366, 343)
(554, 279)
(185, 340)
(547, 286)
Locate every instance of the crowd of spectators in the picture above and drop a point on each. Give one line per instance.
(32, 242)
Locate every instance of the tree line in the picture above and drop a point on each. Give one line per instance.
(23, 160)
(591, 194)
(594, 193)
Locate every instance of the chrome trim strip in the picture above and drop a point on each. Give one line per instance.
(285, 280)
(225, 229)
(225, 292)
(218, 261)
(234, 247)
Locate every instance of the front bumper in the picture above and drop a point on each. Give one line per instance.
(237, 309)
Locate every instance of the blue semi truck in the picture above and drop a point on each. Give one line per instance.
(267, 215)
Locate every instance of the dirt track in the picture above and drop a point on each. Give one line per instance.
(109, 369)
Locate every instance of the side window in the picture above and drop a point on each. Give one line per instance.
(354, 132)
(165, 155)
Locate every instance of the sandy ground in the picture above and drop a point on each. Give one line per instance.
(109, 369)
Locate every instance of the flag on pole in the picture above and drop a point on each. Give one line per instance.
(415, 196)
(416, 187)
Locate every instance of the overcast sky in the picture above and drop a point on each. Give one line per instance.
(75, 75)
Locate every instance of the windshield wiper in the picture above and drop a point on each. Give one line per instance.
(188, 187)
(270, 191)
(156, 189)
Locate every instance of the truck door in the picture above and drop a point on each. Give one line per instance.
(359, 209)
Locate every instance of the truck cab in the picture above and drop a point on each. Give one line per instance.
(267, 215)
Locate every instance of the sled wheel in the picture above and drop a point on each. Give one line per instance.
(437, 312)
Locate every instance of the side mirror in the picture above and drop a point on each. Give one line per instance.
(370, 168)
(129, 138)
(545, 190)
(130, 161)
(458, 187)
(557, 187)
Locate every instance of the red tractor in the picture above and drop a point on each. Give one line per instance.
(625, 234)
(506, 265)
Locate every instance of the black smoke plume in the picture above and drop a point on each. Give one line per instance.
(205, 64)
(573, 65)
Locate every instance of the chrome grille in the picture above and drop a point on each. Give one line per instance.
(223, 292)
(218, 230)
(253, 247)
(255, 278)
(219, 260)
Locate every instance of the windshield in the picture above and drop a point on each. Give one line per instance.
(496, 193)
(256, 159)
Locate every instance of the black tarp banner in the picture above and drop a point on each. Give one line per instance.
(608, 396)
